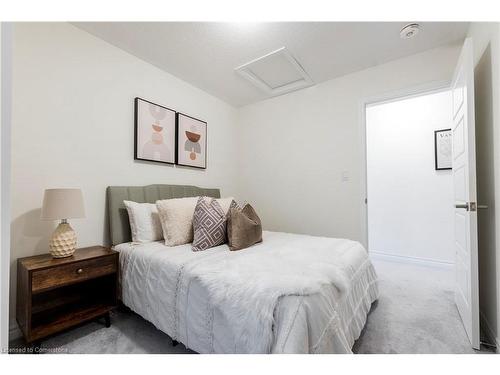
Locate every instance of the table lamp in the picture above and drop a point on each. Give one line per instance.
(62, 204)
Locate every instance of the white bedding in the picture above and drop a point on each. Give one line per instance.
(289, 294)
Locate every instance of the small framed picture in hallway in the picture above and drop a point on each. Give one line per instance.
(442, 149)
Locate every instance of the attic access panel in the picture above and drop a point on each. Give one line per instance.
(276, 73)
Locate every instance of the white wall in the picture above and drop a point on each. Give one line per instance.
(295, 148)
(73, 127)
(410, 204)
(486, 39)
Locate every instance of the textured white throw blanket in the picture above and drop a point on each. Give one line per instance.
(247, 284)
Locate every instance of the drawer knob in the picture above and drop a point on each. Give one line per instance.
(79, 270)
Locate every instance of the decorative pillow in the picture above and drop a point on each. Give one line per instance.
(226, 203)
(209, 223)
(144, 221)
(244, 227)
(176, 217)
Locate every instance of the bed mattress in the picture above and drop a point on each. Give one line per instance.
(253, 300)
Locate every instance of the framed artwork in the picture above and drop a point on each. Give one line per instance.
(154, 132)
(191, 141)
(442, 149)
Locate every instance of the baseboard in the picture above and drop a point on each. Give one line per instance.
(14, 332)
(411, 260)
(490, 335)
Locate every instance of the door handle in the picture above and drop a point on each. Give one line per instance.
(472, 206)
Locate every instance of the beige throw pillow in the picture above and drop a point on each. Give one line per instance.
(176, 217)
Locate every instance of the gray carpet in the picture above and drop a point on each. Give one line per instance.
(415, 314)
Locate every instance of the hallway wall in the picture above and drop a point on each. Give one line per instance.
(410, 204)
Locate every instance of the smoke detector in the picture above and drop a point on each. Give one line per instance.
(409, 31)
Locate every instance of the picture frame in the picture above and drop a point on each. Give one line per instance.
(154, 132)
(442, 149)
(191, 134)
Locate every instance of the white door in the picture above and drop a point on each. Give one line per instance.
(464, 180)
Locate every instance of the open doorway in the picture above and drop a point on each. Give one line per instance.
(410, 223)
(410, 184)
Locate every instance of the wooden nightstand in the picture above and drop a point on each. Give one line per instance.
(56, 294)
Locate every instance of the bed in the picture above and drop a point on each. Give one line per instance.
(289, 294)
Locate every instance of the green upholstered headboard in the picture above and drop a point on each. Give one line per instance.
(119, 227)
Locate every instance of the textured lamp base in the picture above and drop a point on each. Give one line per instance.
(63, 241)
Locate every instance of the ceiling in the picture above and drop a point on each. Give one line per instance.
(206, 54)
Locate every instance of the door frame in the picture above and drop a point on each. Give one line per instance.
(5, 157)
(386, 97)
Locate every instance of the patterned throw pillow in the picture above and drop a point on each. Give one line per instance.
(209, 224)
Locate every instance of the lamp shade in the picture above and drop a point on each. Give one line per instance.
(62, 204)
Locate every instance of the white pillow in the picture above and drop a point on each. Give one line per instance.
(225, 203)
(144, 221)
(176, 217)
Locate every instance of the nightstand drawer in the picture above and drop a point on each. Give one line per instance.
(58, 276)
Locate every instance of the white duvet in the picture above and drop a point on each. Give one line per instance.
(289, 294)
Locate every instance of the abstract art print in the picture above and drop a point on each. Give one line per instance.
(191, 141)
(442, 149)
(154, 132)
